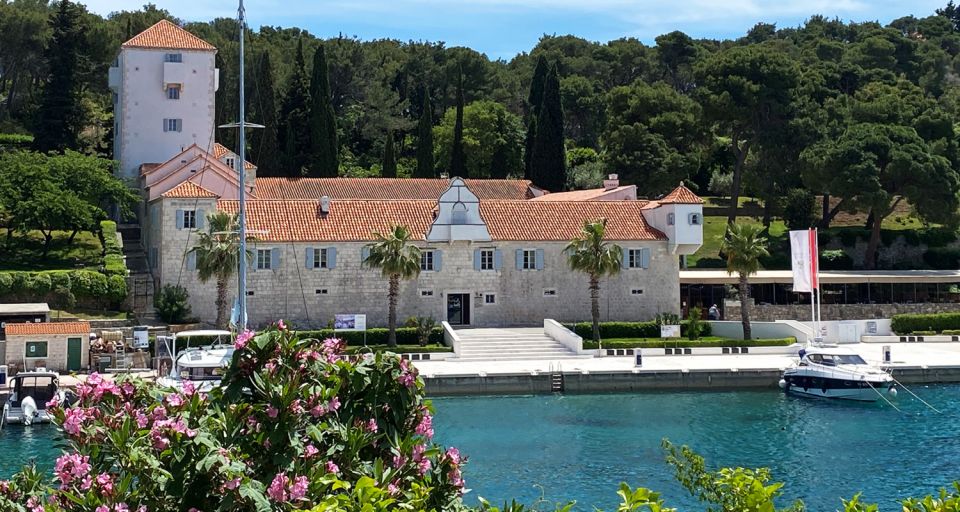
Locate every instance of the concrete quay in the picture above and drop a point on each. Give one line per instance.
(912, 363)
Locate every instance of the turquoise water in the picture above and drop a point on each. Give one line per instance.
(580, 447)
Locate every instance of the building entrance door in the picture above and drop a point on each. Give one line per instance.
(74, 354)
(458, 308)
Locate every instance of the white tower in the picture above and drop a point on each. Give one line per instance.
(164, 83)
(679, 215)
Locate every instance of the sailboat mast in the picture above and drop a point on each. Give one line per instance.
(241, 152)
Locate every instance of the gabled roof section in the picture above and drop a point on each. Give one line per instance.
(169, 36)
(681, 195)
(563, 220)
(219, 150)
(385, 188)
(188, 190)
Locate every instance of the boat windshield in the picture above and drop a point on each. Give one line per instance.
(201, 373)
(836, 359)
(41, 388)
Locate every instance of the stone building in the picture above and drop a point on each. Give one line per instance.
(57, 346)
(493, 250)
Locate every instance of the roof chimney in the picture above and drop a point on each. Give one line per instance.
(612, 182)
(444, 176)
(324, 205)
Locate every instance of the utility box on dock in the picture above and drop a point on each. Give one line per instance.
(638, 358)
(3, 375)
(887, 358)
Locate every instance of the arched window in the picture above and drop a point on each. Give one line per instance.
(459, 213)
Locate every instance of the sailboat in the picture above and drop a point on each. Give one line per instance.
(203, 365)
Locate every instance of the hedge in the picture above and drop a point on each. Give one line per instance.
(113, 264)
(85, 286)
(401, 349)
(938, 322)
(683, 343)
(377, 336)
(631, 329)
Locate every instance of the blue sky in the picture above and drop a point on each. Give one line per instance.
(503, 28)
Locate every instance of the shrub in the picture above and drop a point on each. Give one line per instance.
(799, 209)
(924, 333)
(108, 233)
(835, 259)
(942, 258)
(173, 304)
(631, 329)
(951, 332)
(937, 237)
(694, 324)
(87, 287)
(721, 183)
(376, 336)
(937, 322)
(63, 298)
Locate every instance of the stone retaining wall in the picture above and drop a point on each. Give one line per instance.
(770, 313)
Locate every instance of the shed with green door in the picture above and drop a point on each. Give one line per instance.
(57, 346)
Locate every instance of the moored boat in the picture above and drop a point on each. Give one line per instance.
(834, 372)
(202, 365)
(29, 393)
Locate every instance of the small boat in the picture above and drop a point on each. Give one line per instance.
(833, 372)
(201, 365)
(29, 393)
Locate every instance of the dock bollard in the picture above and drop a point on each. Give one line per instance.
(638, 358)
(886, 354)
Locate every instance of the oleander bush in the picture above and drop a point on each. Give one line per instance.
(936, 322)
(633, 329)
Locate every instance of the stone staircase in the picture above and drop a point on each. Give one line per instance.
(140, 282)
(514, 344)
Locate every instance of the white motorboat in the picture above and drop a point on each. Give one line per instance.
(29, 393)
(833, 372)
(201, 364)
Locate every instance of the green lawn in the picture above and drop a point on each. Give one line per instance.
(713, 229)
(25, 251)
(707, 341)
(87, 314)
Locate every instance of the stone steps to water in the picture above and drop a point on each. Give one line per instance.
(522, 344)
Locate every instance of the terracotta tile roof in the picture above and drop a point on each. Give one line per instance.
(355, 220)
(48, 328)
(348, 220)
(581, 195)
(219, 150)
(167, 35)
(680, 195)
(563, 220)
(188, 189)
(385, 188)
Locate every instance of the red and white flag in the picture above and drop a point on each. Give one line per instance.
(803, 254)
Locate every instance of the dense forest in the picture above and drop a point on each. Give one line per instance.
(859, 113)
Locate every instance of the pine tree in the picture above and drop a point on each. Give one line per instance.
(458, 160)
(534, 100)
(548, 160)
(265, 150)
(389, 169)
(294, 133)
(324, 160)
(61, 114)
(425, 163)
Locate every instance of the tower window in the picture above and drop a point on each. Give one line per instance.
(173, 57)
(172, 125)
(173, 92)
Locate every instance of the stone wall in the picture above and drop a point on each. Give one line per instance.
(311, 297)
(770, 313)
(56, 358)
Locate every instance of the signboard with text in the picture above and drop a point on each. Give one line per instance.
(350, 322)
(669, 331)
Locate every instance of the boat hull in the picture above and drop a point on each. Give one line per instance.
(845, 389)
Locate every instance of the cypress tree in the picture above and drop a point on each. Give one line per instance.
(498, 163)
(323, 124)
(294, 133)
(548, 160)
(61, 114)
(534, 100)
(458, 160)
(425, 163)
(389, 169)
(264, 149)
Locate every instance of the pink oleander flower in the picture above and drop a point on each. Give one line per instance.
(188, 388)
(371, 425)
(399, 461)
(298, 490)
(310, 451)
(232, 484)
(243, 338)
(454, 455)
(128, 388)
(278, 488)
(318, 410)
(73, 421)
(297, 407)
(70, 467)
(142, 420)
(142, 508)
(272, 411)
(425, 427)
(393, 489)
(105, 483)
(425, 466)
(174, 400)
(280, 325)
(417, 452)
(121, 507)
(103, 508)
(34, 506)
(332, 468)
(53, 402)
(334, 404)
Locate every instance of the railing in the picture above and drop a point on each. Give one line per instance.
(450, 338)
(555, 330)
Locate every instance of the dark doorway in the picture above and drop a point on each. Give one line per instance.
(458, 308)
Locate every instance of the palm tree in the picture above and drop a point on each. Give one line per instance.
(218, 256)
(588, 253)
(397, 259)
(744, 245)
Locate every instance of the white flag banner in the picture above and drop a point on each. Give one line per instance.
(803, 255)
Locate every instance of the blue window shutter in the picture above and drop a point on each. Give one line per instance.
(539, 259)
(497, 259)
(645, 258)
(364, 254)
(626, 258)
(179, 219)
(165, 125)
(200, 217)
(275, 258)
(308, 259)
(332, 257)
(519, 259)
(476, 259)
(191, 261)
(437, 260)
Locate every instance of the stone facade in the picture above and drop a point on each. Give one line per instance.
(56, 358)
(770, 313)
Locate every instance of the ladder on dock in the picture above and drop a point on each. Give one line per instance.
(556, 379)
